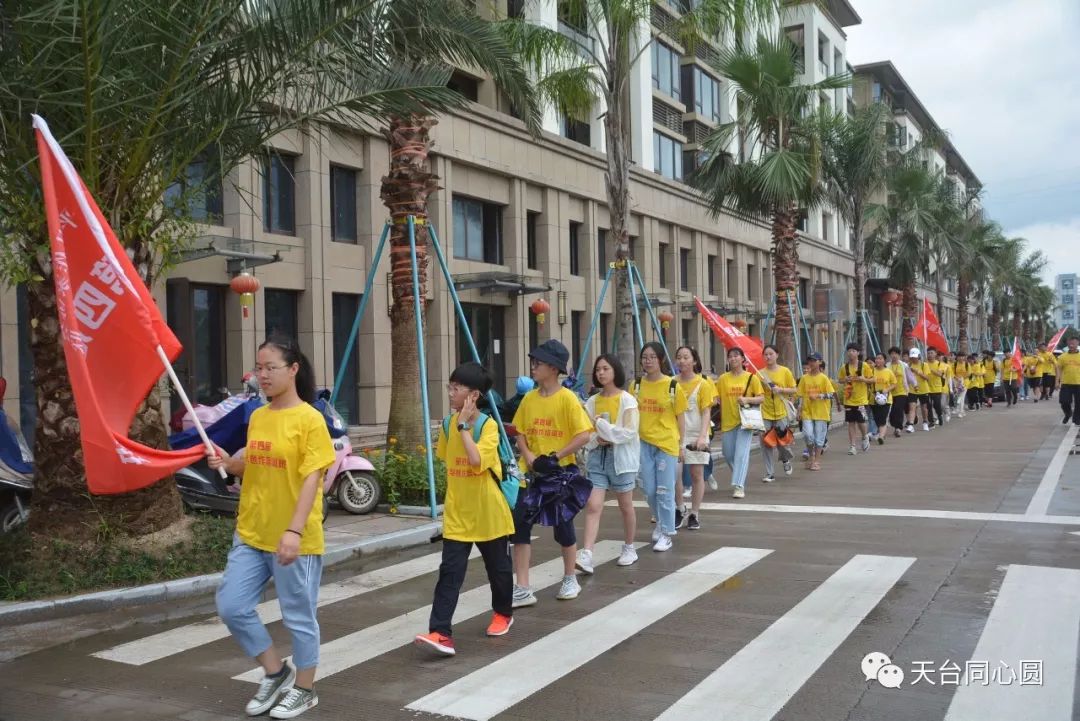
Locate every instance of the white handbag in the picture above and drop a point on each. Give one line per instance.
(750, 417)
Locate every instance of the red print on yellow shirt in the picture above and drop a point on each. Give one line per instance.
(258, 454)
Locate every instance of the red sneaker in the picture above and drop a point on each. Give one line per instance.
(499, 625)
(435, 641)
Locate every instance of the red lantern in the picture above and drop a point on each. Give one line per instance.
(540, 307)
(739, 323)
(246, 285)
(665, 318)
(892, 297)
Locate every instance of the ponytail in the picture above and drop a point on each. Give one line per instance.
(290, 351)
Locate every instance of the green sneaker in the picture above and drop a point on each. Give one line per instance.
(296, 702)
(269, 690)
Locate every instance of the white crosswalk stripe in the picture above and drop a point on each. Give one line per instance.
(498, 686)
(1035, 617)
(193, 635)
(356, 648)
(763, 676)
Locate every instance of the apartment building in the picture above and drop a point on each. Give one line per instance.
(520, 218)
(909, 124)
(1066, 301)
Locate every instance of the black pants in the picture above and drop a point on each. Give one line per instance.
(1012, 393)
(881, 416)
(931, 403)
(1070, 401)
(898, 413)
(455, 561)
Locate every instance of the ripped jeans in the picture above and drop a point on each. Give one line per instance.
(657, 475)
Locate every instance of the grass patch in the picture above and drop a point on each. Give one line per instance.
(58, 568)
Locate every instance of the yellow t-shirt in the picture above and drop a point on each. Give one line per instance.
(901, 378)
(283, 448)
(773, 409)
(706, 391)
(658, 413)
(1008, 372)
(975, 380)
(1031, 366)
(1069, 363)
(475, 508)
(936, 383)
(855, 393)
(812, 389)
(608, 404)
(549, 423)
(1047, 366)
(729, 389)
(950, 373)
(883, 378)
(990, 371)
(963, 370)
(922, 387)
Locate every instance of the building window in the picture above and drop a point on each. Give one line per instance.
(710, 273)
(343, 310)
(575, 249)
(1066, 284)
(706, 94)
(515, 8)
(730, 278)
(198, 194)
(804, 292)
(465, 85)
(1067, 314)
(281, 312)
(665, 70)
(530, 240)
(279, 193)
(342, 204)
(751, 282)
(684, 268)
(826, 227)
(477, 230)
(601, 253)
(688, 333)
(661, 267)
(764, 283)
(796, 35)
(605, 332)
(1067, 299)
(667, 156)
(534, 331)
(577, 130)
(576, 341)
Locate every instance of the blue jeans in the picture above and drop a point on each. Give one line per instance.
(736, 446)
(657, 475)
(297, 585)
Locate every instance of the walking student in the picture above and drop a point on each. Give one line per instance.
(922, 389)
(614, 456)
(661, 405)
(1032, 380)
(474, 511)
(553, 426)
(884, 384)
(1010, 383)
(779, 385)
(700, 398)
(961, 383)
(991, 370)
(937, 372)
(816, 392)
(737, 388)
(898, 412)
(975, 382)
(856, 376)
(279, 531)
(1068, 381)
(1047, 371)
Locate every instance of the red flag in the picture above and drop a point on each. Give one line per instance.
(111, 331)
(1016, 356)
(929, 329)
(1053, 344)
(731, 337)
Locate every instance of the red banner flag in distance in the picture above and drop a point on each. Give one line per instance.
(928, 328)
(111, 330)
(1016, 357)
(1053, 344)
(732, 337)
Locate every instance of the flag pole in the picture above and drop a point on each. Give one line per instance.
(187, 404)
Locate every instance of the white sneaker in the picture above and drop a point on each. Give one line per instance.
(738, 492)
(768, 479)
(523, 596)
(584, 562)
(294, 703)
(865, 444)
(656, 533)
(926, 426)
(948, 416)
(662, 544)
(909, 428)
(851, 450)
(569, 589)
(688, 493)
(712, 483)
(787, 468)
(628, 556)
(270, 689)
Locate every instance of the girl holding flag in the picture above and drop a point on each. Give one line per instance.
(737, 388)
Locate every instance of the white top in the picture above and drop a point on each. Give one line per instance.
(622, 434)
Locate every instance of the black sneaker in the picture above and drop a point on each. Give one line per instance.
(693, 523)
(680, 519)
(1067, 418)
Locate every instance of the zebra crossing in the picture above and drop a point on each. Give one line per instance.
(1035, 614)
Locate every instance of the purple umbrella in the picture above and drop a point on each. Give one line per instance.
(554, 497)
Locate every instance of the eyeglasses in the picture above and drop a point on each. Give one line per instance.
(267, 369)
(649, 357)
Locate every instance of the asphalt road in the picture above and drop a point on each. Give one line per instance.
(951, 553)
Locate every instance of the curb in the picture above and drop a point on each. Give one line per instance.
(116, 598)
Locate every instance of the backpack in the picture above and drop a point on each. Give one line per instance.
(510, 483)
(671, 389)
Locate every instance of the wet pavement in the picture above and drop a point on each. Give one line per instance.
(951, 552)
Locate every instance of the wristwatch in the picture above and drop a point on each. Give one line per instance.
(464, 426)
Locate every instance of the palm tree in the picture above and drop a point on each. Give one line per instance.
(617, 25)
(855, 164)
(990, 267)
(136, 92)
(782, 170)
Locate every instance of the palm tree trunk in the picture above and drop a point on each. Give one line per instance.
(859, 251)
(1026, 325)
(963, 289)
(911, 310)
(617, 184)
(785, 252)
(405, 191)
(995, 326)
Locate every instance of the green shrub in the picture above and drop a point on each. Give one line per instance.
(403, 476)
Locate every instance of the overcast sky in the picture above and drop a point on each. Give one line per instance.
(1002, 77)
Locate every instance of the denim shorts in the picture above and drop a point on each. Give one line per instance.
(815, 433)
(600, 469)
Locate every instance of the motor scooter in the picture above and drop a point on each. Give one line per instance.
(16, 472)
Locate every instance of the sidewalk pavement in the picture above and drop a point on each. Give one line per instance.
(347, 537)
